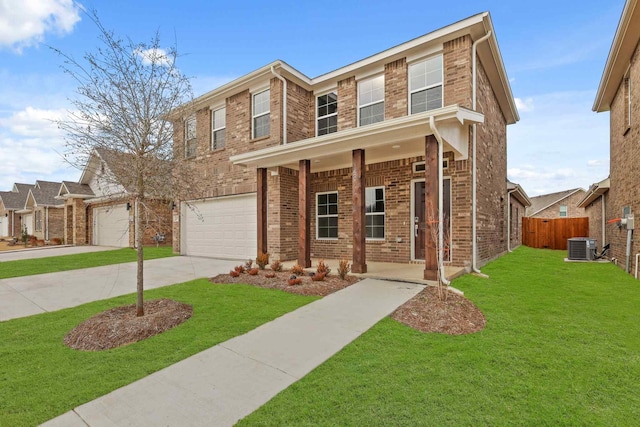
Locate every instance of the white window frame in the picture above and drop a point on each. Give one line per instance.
(37, 217)
(318, 216)
(318, 117)
(187, 126)
(627, 88)
(565, 211)
(424, 88)
(254, 116)
(214, 129)
(382, 101)
(383, 214)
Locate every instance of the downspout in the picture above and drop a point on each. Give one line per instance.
(604, 221)
(284, 103)
(443, 277)
(474, 243)
(46, 220)
(509, 192)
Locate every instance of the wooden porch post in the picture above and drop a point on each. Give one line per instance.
(359, 220)
(262, 210)
(431, 207)
(304, 214)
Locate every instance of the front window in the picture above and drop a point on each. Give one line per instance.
(563, 210)
(38, 216)
(190, 141)
(425, 85)
(327, 113)
(261, 116)
(327, 215)
(374, 197)
(371, 100)
(218, 128)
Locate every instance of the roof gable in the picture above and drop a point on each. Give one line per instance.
(540, 203)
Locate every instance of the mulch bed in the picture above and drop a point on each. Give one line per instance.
(329, 285)
(120, 326)
(427, 313)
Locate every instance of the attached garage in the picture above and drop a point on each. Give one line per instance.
(4, 226)
(111, 226)
(224, 227)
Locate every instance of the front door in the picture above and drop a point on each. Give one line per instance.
(419, 221)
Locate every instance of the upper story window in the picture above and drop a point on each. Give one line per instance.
(218, 128)
(327, 113)
(374, 199)
(261, 116)
(425, 85)
(371, 100)
(190, 140)
(563, 210)
(327, 215)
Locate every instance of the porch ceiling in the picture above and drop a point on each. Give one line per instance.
(390, 139)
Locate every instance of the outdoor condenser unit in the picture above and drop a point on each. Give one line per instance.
(581, 248)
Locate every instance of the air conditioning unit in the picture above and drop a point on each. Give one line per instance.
(581, 248)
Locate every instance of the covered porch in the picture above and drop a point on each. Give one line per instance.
(425, 135)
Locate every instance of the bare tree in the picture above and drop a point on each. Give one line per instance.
(442, 248)
(125, 91)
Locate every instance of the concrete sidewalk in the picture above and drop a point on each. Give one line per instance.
(220, 386)
(47, 251)
(28, 295)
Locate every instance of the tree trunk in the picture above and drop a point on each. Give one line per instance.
(140, 263)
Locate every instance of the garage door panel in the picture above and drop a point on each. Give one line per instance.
(227, 227)
(111, 226)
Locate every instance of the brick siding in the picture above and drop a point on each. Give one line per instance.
(571, 202)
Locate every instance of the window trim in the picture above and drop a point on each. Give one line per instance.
(383, 214)
(37, 216)
(328, 115)
(384, 98)
(253, 112)
(327, 216)
(410, 92)
(216, 129)
(566, 211)
(190, 118)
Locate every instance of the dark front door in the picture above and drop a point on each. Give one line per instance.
(419, 221)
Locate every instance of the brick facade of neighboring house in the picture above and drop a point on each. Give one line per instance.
(563, 204)
(395, 151)
(518, 204)
(594, 203)
(619, 93)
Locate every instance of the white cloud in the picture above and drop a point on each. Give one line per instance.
(24, 23)
(34, 123)
(598, 163)
(524, 105)
(151, 56)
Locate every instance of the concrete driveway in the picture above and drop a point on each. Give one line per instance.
(48, 251)
(25, 296)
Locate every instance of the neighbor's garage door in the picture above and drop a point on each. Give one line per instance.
(111, 226)
(4, 226)
(225, 227)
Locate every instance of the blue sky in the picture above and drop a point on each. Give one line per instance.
(554, 53)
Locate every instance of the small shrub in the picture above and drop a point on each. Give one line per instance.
(297, 270)
(323, 268)
(344, 268)
(253, 271)
(262, 260)
(270, 275)
(24, 236)
(56, 241)
(234, 273)
(293, 282)
(39, 242)
(33, 241)
(248, 265)
(239, 269)
(276, 265)
(318, 277)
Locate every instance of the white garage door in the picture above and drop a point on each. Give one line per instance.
(28, 221)
(4, 226)
(224, 227)
(111, 226)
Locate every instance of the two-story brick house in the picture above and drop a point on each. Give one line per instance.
(618, 93)
(360, 163)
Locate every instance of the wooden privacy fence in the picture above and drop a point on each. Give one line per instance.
(553, 233)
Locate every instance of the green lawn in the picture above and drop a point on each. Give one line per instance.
(41, 378)
(28, 267)
(561, 347)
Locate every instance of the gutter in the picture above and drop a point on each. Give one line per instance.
(284, 103)
(443, 277)
(509, 193)
(474, 243)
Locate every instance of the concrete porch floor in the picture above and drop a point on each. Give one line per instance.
(409, 272)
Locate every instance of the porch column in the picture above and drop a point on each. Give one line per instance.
(262, 210)
(304, 213)
(359, 221)
(431, 208)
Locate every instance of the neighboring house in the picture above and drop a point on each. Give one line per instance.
(619, 93)
(594, 204)
(11, 209)
(347, 164)
(100, 211)
(563, 204)
(518, 203)
(43, 213)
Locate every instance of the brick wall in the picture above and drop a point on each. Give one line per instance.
(347, 104)
(457, 72)
(282, 213)
(594, 212)
(571, 202)
(395, 89)
(300, 113)
(517, 213)
(56, 223)
(625, 165)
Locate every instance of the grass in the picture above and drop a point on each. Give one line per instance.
(41, 378)
(561, 347)
(28, 267)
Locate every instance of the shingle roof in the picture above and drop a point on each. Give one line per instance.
(539, 203)
(77, 188)
(12, 200)
(23, 188)
(45, 192)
